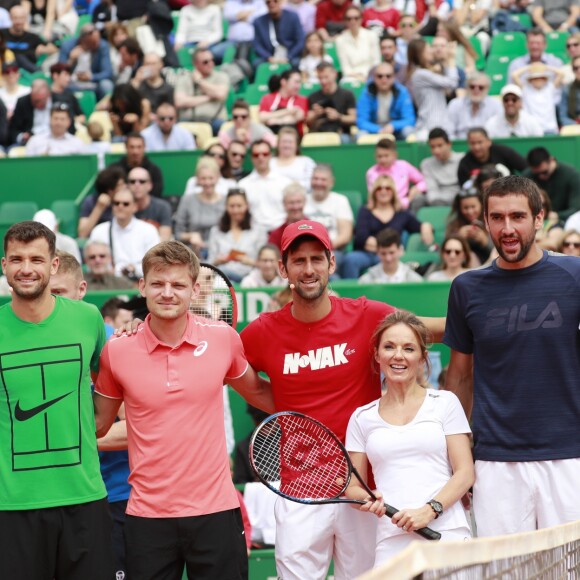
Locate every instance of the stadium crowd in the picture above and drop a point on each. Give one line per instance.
(252, 84)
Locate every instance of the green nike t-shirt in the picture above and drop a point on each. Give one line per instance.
(48, 446)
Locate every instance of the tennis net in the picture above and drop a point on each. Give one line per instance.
(549, 554)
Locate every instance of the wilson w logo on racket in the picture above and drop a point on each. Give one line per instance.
(301, 460)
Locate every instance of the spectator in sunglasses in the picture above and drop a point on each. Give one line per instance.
(570, 244)
(454, 259)
(164, 134)
(569, 107)
(236, 155)
(243, 128)
(385, 105)
(573, 51)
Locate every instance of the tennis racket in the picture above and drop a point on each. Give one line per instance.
(217, 297)
(302, 460)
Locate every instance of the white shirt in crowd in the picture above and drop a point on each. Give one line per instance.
(335, 207)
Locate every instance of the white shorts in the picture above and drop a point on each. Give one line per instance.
(509, 498)
(308, 537)
(389, 547)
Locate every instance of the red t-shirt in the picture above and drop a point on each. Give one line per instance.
(275, 102)
(327, 11)
(376, 19)
(325, 369)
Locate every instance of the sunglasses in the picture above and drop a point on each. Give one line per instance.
(261, 154)
(234, 154)
(236, 117)
(541, 173)
(383, 188)
(95, 256)
(141, 181)
(217, 155)
(123, 203)
(572, 44)
(575, 68)
(167, 118)
(511, 99)
(349, 18)
(575, 245)
(206, 61)
(384, 76)
(477, 87)
(407, 25)
(451, 251)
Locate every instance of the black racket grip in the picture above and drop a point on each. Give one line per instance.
(426, 533)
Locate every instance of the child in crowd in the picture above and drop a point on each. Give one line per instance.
(390, 269)
(313, 55)
(540, 86)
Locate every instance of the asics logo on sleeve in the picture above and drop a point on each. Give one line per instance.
(327, 356)
(21, 414)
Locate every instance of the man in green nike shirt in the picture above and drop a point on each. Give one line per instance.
(54, 521)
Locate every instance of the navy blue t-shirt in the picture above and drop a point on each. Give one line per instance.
(522, 328)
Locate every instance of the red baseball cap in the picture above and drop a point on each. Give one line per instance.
(305, 228)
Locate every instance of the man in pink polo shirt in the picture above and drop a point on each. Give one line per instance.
(183, 508)
(408, 179)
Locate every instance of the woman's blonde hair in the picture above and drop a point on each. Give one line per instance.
(386, 181)
(210, 163)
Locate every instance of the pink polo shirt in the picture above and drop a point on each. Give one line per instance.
(404, 174)
(175, 417)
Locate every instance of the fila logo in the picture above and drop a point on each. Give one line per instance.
(201, 348)
(327, 356)
(514, 319)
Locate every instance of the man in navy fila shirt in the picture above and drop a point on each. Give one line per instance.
(515, 365)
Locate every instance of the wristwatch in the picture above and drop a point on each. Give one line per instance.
(436, 506)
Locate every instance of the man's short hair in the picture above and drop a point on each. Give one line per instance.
(68, 264)
(537, 156)
(108, 178)
(478, 75)
(29, 231)
(480, 130)
(515, 185)
(260, 142)
(325, 65)
(293, 188)
(171, 253)
(86, 249)
(387, 37)
(324, 167)
(438, 133)
(165, 104)
(535, 31)
(388, 144)
(133, 47)
(112, 306)
(136, 135)
(387, 237)
(59, 68)
(241, 104)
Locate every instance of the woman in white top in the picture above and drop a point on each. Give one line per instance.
(199, 212)
(200, 25)
(225, 182)
(455, 256)
(415, 439)
(12, 89)
(357, 48)
(233, 243)
(289, 162)
(429, 83)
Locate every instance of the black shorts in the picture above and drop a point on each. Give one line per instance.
(61, 543)
(210, 547)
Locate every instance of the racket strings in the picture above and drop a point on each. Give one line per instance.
(303, 456)
(214, 300)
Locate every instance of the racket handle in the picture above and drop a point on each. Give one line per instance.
(426, 533)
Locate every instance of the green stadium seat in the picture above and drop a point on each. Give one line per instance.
(87, 101)
(184, 57)
(496, 68)
(254, 93)
(175, 18)
(229, 54)
(309, 88)
(476, 43)
(67, 213)
(415, 243)
(355, 86)
(354, 198)
(524, 19)
(266, 69)
(556, 42)
(510, 43)
(17, 211)
(330, 50)
(435, 215)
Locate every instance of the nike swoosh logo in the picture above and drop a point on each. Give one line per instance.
(25, 414)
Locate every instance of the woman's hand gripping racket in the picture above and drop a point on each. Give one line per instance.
(217, 298)
(308, 461)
